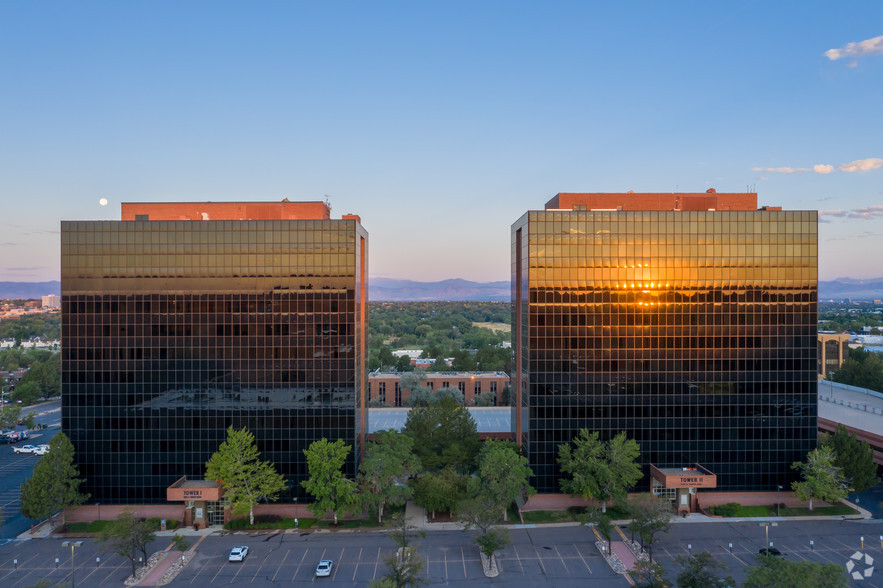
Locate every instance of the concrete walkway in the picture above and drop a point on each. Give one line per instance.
(160, 569)
(625, 555)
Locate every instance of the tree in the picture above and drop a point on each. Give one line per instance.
(128, 536)
(452, 393)
(405, 564)
(386, 357)
(55, 484)
(484, 399)
(29, 421)
(9, 416)
(649, 574)
(822, 479)
(599, 471)
(862, 368)
(327, 483)
(855, 458)
(601, 521)
(410, 381)
(389, 461)
(778, 572)
(421, 396)
(26, 392)
(463, 361)
(246, 479)
(502, 476)
(439, 491)
(444, 435)
(651, 515)
(481, 514)
(701, 571)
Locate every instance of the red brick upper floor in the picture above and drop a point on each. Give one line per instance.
(283, 210)
(710, 200)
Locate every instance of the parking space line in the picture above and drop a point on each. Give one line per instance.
(236, 575)
(198, 572)
(321, 557)
(377, 563)
(340, 562)
(463, 558)
(358, 559)
(561, 558)
(518, 559)
(539, 559)
(218, 572)
(297, 569)
(284, 557)
(582, 558)
(12, 568)
(113, 572)
(445, 552)
(266, 557)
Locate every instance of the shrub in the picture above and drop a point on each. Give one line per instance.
(725, 510)
(266, 518)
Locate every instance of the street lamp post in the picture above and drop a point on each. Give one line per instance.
(98, 504)
(778, 487)
(72, 545)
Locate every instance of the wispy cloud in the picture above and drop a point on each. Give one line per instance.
(859, 165)
(23, 269)
(867, 47)
(862, 164)
(864, 213)
(8, 244)
(781, 170)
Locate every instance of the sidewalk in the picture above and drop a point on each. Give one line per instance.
(160, 569)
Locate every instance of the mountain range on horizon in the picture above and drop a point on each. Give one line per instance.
(454, 289)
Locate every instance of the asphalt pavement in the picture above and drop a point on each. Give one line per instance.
(15, 468)
(542, 556)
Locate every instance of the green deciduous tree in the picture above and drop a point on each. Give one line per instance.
(26, 392)
(601, 521)
(421, 396)
(439, 491)
(778, 572)
(128, 536)
(649, 574)
(389, 461)
(9, 416)
(855, 458)
(862, 368)
(502, 476)
(599, 471)
(55, 484)
(405, 564)
(444, 435)
(329, 486)
(822, 479)
(246, 479)
(452, 393)
(702, 570)
(651, 515)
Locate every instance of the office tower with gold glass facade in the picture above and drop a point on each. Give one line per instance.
(686, 320)
(183, 319)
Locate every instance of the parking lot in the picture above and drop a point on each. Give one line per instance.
(562, 556)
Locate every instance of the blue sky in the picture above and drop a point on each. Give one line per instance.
(439, 123)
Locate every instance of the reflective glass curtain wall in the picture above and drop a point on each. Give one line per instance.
(692, 331)
(174, 330)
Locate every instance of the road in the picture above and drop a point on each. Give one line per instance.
(561, 556)
(15, 469)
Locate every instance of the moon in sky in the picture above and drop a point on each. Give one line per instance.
(103, 202)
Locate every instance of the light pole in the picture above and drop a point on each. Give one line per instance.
(98, 504)
(72, 545)
(778, 487)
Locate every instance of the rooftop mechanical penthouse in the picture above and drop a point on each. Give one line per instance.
(182, 319)
(686, 320)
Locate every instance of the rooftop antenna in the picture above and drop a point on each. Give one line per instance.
(328, 202)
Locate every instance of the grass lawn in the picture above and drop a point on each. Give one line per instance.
(242, 524)
(348, 524)
(93, 527)
(536, 517)
(769, 510)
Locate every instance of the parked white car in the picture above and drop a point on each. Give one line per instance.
(25, 449)
(324, 567)
(41, 450)
(238, 553)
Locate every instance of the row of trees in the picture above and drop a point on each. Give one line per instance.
(42, 379)
(862, 368)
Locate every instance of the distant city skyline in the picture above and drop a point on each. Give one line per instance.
(439, 124)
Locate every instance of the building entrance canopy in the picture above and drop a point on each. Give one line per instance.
(202, 490)
(689, 477)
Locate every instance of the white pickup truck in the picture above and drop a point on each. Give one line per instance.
(24, 449)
